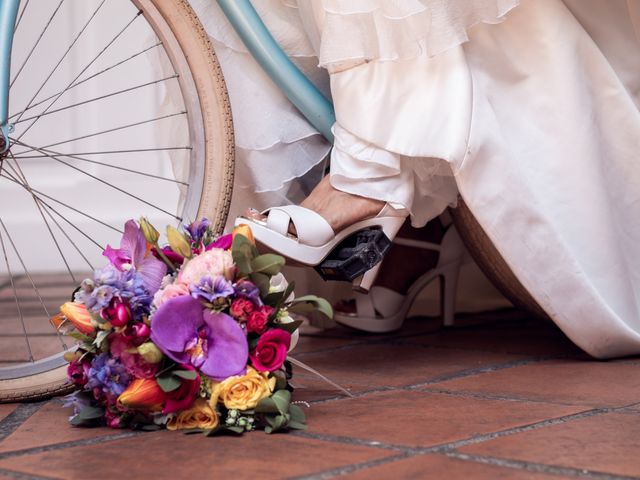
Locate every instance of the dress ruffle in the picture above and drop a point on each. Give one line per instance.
(365, 30)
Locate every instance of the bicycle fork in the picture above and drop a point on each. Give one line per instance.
(8, 15)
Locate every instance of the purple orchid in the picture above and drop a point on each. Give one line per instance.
(133, 251)
(211, 288)
(212, 342)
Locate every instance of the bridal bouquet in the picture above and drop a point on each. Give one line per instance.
(191, 336)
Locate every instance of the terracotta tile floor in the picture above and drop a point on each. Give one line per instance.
(498, 396)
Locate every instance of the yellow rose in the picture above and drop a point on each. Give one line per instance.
(201, 415)
(243, 392)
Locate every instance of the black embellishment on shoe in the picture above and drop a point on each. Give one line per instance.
(355, 255)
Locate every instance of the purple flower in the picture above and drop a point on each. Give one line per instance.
(133, 253)
(108, 376)
(246, 289)
(198, 229)
(212, 342)
(211, 288)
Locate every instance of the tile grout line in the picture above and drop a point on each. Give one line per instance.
(339, 471)
(24, 476)
(437, 379)
(538, 467)
(71, 444)
(450, 448)
(15, 419)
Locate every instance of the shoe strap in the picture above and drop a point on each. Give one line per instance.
(380, 301)
(311, 228)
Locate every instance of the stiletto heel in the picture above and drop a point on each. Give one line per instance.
(384, 310)
(364, 282)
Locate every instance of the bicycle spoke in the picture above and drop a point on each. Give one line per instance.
(15, 293)
(60, 202)
(53, 237)
(109, 152)
(104, 182)
(69, 48)
(24, 9)
(80, 74)
(33, 285)
(55, 155)
(97, 74)
(102, 132)
(95, 99)
(35, 45)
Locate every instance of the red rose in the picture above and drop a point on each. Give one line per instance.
(257, 321)
(271, 350)
(241, 309)
(182, 397)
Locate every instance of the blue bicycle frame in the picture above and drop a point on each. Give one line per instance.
(8, 15)
(245, 20)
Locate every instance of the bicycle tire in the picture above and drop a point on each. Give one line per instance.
(187, 44)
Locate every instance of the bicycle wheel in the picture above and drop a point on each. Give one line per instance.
(119, 110)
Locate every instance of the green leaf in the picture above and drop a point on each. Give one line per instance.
(100, 337)
(289, 327)
(91, 413)
(81, 337)
(238, 430)
(243, 252)
(297, 414)
(168, 383)
(277, 299)
(282, 399)
(269, 264)
(186, 374)
(262, 282)
(309, 303)
(297, 425)
(266, 405)
(281, 380)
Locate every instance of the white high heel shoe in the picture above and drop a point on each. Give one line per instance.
(315, 239)
(384, 310)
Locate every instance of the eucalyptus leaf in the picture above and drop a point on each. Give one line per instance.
(267, 405)
(91, 413)
(290, 327)
(297, 414)
(269, 264)
(243, 252)
(282, 399)
(100, 338)
(301, 305)
(262, 282)
(186, 374)
(296, 425)
(168, 383)
(81, 337)
(238, 430)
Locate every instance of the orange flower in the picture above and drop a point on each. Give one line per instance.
(245, 231)
(143, 394)
(78, 315)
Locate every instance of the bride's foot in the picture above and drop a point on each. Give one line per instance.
(339, 209)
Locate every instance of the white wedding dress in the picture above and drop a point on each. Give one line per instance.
(529, 110)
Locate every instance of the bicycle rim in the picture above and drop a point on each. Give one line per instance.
(129, 116)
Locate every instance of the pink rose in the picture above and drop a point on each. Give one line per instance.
(169, 292)
(182, 397)
(271, 350)
(213, 262)
(257, 321)
(241, 309)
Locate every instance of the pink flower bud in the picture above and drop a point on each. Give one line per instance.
(118, 313)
